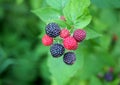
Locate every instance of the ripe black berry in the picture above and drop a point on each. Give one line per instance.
(108, 76)
(57, 50)
(69, 58)
(53, 30)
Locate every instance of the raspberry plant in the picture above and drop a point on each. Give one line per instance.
(72, 15)
(25, 43)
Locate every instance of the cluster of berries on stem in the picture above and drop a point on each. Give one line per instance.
(69, 42)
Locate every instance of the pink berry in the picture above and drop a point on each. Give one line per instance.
(64, 33)
(79, 35)
(70, 43)
(46, 40)
(62, 18)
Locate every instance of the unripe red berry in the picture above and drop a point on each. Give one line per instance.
(79, 35)
(46, 40)
(64, 33)
(70, 43)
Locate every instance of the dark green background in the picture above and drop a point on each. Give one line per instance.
(23, 58)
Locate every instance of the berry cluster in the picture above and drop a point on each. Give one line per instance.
(69, 42)
(108, 76)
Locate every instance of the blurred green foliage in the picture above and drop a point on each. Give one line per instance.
(25, 61)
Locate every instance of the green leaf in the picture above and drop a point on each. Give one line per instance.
(95, 81)
(61, 72)
(83, 20)
(57, 4)
(90, 34)
(47, 14)
(75, 8)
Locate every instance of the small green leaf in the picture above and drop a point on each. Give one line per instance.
(90, 34)
(47, 14)
(75, 9)
(83, 20)
(61, 72)
(57, 4)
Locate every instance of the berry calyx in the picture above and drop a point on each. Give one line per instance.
(46, 40)
(70, 43)
(57, 50)
(79, 35)
(64, 33)
(53, 30)
(69, 58)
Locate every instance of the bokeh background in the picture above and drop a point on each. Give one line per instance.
(23, 58)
